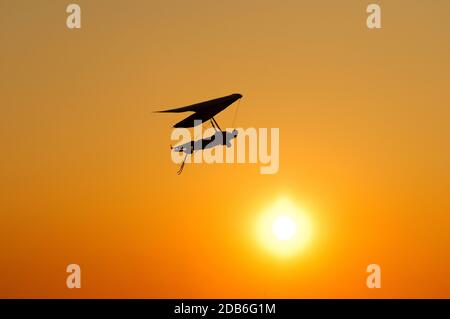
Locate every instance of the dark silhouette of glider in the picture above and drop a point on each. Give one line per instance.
(203, 112)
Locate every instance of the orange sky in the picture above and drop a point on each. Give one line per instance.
(86, 175)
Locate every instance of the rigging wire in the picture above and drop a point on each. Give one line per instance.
(235, 113)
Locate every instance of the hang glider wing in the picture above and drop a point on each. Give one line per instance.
(203, 111)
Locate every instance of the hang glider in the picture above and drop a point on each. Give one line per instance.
(203, 111)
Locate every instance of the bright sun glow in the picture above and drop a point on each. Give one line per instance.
(284, 229)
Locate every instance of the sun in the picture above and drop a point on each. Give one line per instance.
(284, 229)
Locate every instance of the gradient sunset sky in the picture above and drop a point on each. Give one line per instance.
(86, 173)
